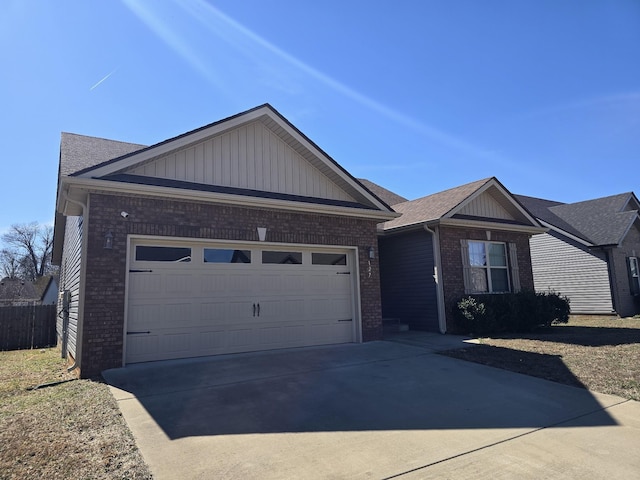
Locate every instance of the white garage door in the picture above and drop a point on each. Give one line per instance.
(190, 299)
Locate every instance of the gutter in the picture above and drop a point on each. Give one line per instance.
(437, 276)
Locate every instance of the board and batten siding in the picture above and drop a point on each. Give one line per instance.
(572, 270)
(487, 206)
(407, 285)
(70, 280)
(251, 157)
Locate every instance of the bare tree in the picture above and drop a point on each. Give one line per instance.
(10, 263)
(27, 252)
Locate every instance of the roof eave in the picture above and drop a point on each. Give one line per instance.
(261, 112)
(78, 188)
(466, 223)
(566, 234)
(493, 182)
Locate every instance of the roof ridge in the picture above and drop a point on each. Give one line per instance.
(599, 199)
(448, 190)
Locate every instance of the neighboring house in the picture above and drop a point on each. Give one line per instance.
(469, 239)
(241, 235)
(16, 292)
(590, 253)
(47, 288)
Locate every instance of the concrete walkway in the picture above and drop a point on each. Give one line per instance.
(391, 409)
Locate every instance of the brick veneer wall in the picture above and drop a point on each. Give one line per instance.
(451, 258)
(624, 302)
(102, 339)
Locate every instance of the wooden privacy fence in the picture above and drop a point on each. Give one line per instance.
(27, 327)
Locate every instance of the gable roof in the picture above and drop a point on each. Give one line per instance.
(599, 222)
(41, 284)
(17, 290)
(83, 160)
(449, 205)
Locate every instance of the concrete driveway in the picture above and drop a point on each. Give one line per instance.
(377, 410)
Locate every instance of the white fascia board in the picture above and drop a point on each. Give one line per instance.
(329, 163)
(455, 222)
(626, 232)
(178, 143)
(199, 136)
(566, 234)
(468, 200)
(493, 183)
(78, 186)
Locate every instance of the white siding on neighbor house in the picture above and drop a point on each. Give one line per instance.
(70, 279)
(571, 270)
(251, 157)
(485, 205)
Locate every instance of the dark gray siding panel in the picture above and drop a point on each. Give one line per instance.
(406, 278)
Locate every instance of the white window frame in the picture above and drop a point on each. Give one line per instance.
(488, 267)
(634, 278)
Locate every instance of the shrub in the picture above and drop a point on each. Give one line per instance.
(510, 312)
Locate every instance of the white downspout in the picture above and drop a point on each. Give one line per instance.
(83, 252)
(437, 276)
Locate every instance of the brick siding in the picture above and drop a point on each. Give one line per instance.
(102, 338)
(451, 258)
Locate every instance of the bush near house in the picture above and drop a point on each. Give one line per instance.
(510, 312)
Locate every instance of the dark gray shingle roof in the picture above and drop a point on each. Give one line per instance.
(601, 221)
(17, 290)
(540, 208)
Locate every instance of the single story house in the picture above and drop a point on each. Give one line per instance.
(590, 253)
(241, 235)
(18, 292)
(470, 239)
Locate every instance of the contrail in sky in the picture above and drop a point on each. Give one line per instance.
(212, 18)
(104, 78)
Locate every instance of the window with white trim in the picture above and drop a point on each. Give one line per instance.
(634, 275)
(486, 267)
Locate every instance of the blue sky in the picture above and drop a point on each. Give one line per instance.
(418, 96)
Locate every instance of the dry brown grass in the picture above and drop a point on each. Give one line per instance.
(70, 430)
(601, 354)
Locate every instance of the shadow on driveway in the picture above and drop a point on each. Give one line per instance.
(376, 386)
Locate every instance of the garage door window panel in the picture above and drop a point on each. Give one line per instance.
(281, 258)
(328, 259)
(162, 254)
(226, 255)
